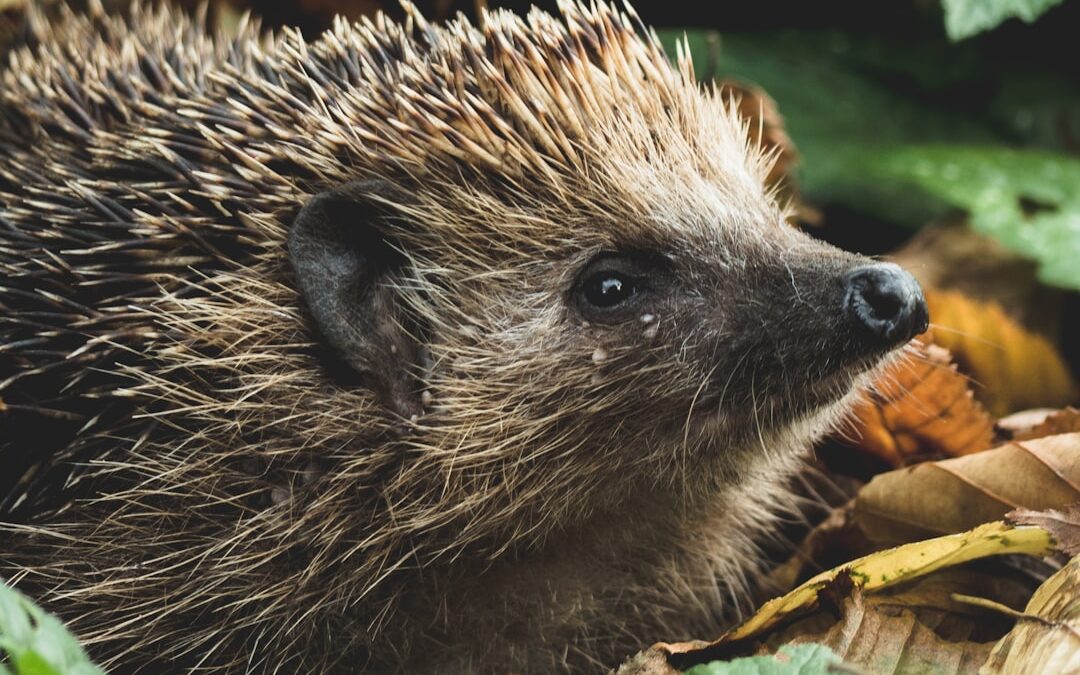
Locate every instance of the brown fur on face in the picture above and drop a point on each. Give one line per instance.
(196, 479)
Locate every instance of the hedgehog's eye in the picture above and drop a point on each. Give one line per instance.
(607, 289)
(610, 288)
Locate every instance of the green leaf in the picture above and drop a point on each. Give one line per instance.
(1039, 109)
(807, 659)
(1028, 200)
(36, 643)
(898, 156)
(964, 18)
(835, 108)
(32, 663)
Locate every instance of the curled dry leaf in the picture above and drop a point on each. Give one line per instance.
(1014, 368)
(1046, 638)
(930, 600)
(1060, 422)
(921, 405)
(903, 563)
(877, 640)
(953, 495)
(838, 539)
(1017, 423)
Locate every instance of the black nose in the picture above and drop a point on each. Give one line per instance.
(886, 303)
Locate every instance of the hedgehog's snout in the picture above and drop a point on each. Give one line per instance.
(886, 305)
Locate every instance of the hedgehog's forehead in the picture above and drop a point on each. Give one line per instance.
(669, 183)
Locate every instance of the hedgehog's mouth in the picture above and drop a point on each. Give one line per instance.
(778, 407)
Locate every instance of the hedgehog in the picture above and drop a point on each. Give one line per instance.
(412, 347)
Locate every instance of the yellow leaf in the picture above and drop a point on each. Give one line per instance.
(882, 570)
(895, 565)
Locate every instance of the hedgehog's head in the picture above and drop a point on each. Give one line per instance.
(590, 271)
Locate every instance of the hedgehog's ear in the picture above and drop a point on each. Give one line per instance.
(346, 267)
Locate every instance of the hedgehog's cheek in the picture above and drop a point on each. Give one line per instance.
(345, 266)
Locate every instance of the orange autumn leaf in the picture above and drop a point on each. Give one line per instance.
(1013, 368)
(921, 405)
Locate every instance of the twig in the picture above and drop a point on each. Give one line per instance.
(1009, 611)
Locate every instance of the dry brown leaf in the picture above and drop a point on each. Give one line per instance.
(930, 598)
(652, 661)
(766, 128)
(881, 641)
(916, 627)
(896, 565)
(1014, 368)
(955, 494)
(921, 405)
(1046, 638)
(1061, 422)
(1023, 421)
